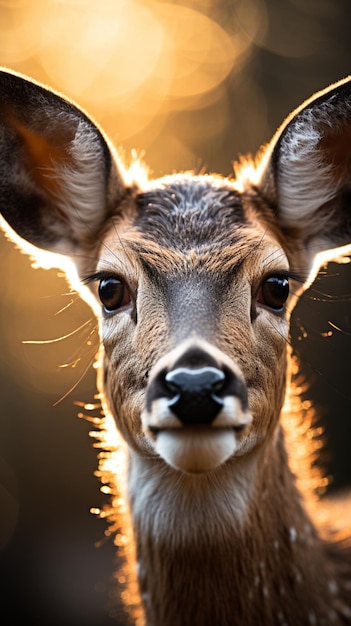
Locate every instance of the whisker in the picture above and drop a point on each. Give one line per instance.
(307, 362)
(67, 306)
(341, 330)
(75, 385)
(328, 297)
(88, 342)
(56, 339)
(75, 358)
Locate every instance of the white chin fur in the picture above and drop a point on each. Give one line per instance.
(196, 450)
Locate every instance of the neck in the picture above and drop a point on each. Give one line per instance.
(235, 546)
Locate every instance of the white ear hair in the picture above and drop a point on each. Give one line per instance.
(306, 175)
(304, 180)
(82, 183)
(60, 179)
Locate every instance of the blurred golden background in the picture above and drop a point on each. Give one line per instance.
(186, 85)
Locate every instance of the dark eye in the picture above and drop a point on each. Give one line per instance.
(113, 294)
(274, 292)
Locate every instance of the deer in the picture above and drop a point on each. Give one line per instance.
(193, 278)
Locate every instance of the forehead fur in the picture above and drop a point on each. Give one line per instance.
(189, 211)
(186, 222)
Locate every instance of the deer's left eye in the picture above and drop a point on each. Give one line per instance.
(113, 294)
(274, 293)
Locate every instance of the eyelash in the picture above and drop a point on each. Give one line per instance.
(93, 278)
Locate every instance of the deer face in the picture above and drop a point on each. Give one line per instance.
(193, 324)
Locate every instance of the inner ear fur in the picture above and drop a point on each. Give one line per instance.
(307, 174)
(59, 180)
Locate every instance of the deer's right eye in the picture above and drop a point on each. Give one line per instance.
(113, 294)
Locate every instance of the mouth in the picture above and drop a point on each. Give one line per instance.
(195, 448)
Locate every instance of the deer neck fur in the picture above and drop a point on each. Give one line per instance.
(241, 541)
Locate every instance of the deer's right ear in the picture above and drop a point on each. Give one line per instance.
(59, 181)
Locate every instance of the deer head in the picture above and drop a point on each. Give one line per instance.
(195, 276)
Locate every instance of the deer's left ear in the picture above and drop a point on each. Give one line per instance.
(307, 177)
(59, 181)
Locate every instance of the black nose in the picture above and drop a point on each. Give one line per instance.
(196, 386)
(194, 391)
